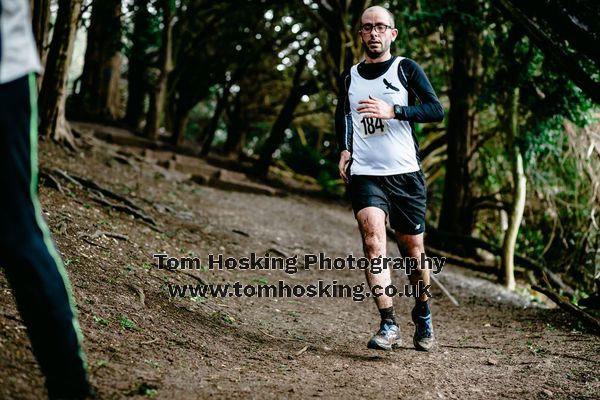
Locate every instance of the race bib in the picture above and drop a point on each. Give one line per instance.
(370, 127)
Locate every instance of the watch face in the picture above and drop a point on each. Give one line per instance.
(397, 109)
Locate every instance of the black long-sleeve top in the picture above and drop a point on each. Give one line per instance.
(414, 80)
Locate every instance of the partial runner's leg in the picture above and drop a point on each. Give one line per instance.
(371, 222)
(413, 246)
(33, 266)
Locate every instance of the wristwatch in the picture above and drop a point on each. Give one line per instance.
(398, 111)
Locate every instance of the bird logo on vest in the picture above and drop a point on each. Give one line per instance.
(390, 86)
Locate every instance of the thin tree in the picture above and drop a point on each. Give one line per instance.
(341, 21)
(54, 85)
(285, 117)
(158, 93)
(518, 192)
(211, 129)
(41, 25)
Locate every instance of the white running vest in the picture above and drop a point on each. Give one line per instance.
(18, 52)
(380, 147)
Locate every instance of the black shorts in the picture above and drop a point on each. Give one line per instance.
(403, 197)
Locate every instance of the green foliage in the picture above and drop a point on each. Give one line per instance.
(306, 160)
(148, 36)
(556, 228)
(99, 364)
(126, 323)
(146, 390)
(101, 321)
(260, 280)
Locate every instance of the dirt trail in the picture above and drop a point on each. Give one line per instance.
(141, 343)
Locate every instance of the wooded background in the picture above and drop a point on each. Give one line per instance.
(513, 170)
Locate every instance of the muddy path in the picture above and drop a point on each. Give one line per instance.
(142, 343)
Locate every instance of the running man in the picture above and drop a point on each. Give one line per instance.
(380, 161)
(28, 256)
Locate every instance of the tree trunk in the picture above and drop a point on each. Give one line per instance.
(235, 133)
(53, 93)
(343, 45)
(210, 131)
(277, 134)
(138, 65)
(99, 97)
(180, 120)
(41, 24)
(456, 214)
(519, 194)
(157, 96)
(285, 117)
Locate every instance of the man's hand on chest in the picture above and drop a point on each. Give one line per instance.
(375, 108)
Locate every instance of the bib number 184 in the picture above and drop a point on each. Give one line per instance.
(372, 127)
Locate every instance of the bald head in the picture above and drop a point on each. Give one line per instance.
(377, 33)
(379, 10)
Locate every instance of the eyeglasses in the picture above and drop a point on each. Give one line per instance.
(379, 28)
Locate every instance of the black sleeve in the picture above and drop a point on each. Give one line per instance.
(343, 116)
(430, 108)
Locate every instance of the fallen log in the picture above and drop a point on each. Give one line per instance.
(591, 321)
(463, 261)
(524, 262)
(444, 290)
